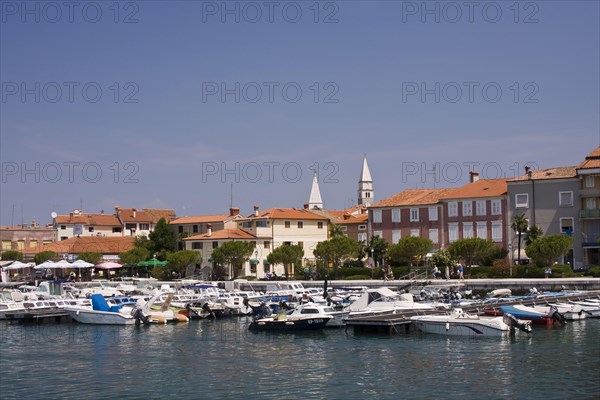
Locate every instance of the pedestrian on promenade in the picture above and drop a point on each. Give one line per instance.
(461, 275)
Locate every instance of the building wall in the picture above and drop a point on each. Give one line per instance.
(28, 238)
(406, 226)
(589, 216)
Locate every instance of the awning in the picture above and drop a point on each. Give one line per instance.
(253, 261)
(266, 262)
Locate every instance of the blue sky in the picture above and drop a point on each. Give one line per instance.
(97, 113)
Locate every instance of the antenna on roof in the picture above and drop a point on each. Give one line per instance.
(231, 195)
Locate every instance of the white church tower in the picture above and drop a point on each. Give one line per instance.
(315, 201)
(365, 186)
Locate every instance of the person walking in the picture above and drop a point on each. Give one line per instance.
(447, 273)
(461, 275)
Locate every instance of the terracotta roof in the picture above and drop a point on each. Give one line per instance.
(223, 234)
(150, 215)
(344, 216)
(549, 173)
(413, 197)
(479, 188)
(89, 219)
(348, 219)
(287, 213)
(592, 160)
(199, 219)
(102, 245)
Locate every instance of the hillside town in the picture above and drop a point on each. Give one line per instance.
(561, 200)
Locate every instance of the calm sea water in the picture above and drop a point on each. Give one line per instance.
(221, 359)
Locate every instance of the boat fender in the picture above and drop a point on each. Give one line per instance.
(447, 326)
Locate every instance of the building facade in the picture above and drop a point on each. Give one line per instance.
(588, 173)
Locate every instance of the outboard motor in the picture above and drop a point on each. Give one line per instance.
(139, 316)
(207, 309)
(513, 322)
(556, 316)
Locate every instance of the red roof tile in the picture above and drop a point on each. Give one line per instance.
(287, 213)
(592, 160)
(102, 245)
(479, 188)
(199, 219)
(223, 234)
(147, 215)
(89, 219)
(549, 173)
(413, 197)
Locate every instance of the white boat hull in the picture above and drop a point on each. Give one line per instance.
(100, 317)
(450, 326)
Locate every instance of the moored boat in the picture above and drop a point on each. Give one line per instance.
(306, 316)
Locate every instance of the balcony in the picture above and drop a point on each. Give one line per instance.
(592, 192)
(589, 214)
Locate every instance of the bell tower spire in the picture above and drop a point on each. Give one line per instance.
(365, 185)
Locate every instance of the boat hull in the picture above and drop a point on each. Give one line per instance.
(100, 317)
(308, 324)
(493, 327)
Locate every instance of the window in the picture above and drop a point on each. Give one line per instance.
(480, 207)
(378, 233)
(522, 200)
(496, 207)
(565, 199)
(262, 224)
(433, 213)
(196, 245)
(33, 244)
(300, 224)
(497, 231)
(362, 237)
(396, 235)
(414, 214)
(180, 229)
(6, 245)
(194, 228)
(433, 236)
(395, 215)
(287, 224)
(376, 216)
(117, 229)
(566, 226)
(267, 244)
(415, 232)
(146, 227)
(63, 227)
(590, 203)
(91, 229)
(453, 209)
(301, 244)
(482, 230)
(589, 181)
(467, 208)
(343, 228)
(453, 232)
(20, 245)
(63, 238)
(320, 225)
(248, 224)
(215, 244)
(130, 227)
(467, 230)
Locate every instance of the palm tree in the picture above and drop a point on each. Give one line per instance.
(519, 226)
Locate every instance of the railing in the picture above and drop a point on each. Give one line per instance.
(589, 213)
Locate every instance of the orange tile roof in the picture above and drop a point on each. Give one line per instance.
(353, 219)
(89, 219)
(413, 197)
(592, 160)
(223, 234)
(151, 215)
(102, 245)
(549, 173)
(479, 188)
(287, 213)
(199, 219)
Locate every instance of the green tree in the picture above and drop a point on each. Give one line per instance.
(183, 259)
(337, 250)
(45, 256)
(442, 259)
(379, 247)
(144, 242)
(472, 250)
(13, 255)
(163, 237)
(411, 250)
(519, 225)
(545, 250)
(287, 255)
(135, 255)
(335, 230)
(234, 253)
(91, 257)
(533, 233)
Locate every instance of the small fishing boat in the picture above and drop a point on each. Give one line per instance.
(459, 323)
(533, 315)
(307, 316)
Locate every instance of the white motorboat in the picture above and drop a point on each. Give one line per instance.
(380, 300)
(307, 316)
(459, 323)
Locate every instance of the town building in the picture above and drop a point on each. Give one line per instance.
(197, 225)
(27, 239)
(588, 173)
(108, 247)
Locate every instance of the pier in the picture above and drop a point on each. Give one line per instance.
(399, 321)
(38, 316)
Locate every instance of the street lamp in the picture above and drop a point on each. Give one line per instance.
(373, 257)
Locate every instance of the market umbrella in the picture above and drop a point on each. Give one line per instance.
(152, 263)
(16, 265)
(109, 265)
(82, 264)
(46, 265)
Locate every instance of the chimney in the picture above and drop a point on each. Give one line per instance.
(134, 213)
(474, 176)
(306, 206)
(233, 211)
(208, 229)
(256, 208)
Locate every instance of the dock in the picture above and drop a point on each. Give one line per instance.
(38, 316)
(399, 321)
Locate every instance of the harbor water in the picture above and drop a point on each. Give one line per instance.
(215, 359)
